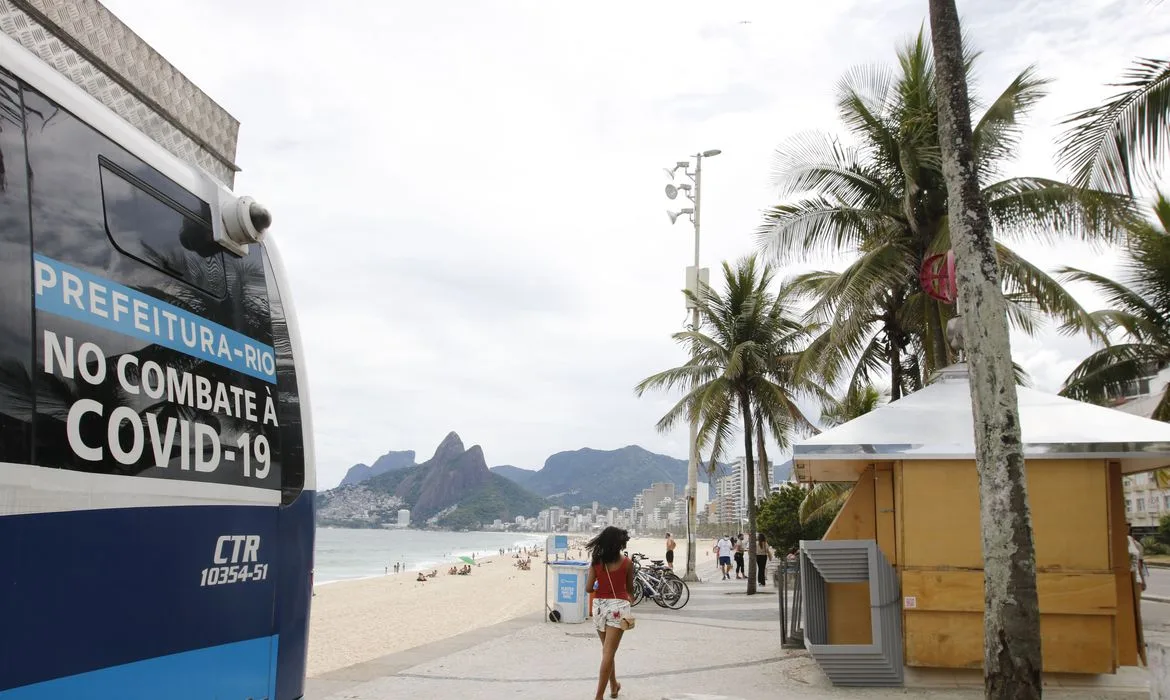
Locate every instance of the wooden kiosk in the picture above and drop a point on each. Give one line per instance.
(916, 494)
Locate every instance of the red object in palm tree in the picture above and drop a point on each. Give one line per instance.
(937, 277)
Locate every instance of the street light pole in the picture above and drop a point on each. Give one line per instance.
(696, 322)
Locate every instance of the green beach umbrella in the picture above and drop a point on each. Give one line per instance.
(467, 560)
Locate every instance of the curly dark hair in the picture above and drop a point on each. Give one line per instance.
(607, 547)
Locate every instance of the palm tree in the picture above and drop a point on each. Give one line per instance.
(825, 499)
(1121, 143)
(854, 404)
(735, 377)
(1140, 313)
(882, 203)
(1011, 618)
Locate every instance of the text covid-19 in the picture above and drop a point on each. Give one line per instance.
(199, 445)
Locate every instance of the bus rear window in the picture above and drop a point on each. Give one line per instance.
(153, 231)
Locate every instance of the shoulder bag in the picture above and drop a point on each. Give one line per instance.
(627, 621)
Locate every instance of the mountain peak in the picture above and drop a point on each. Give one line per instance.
(450, 448)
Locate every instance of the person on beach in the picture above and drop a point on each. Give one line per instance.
(613, 575)
(670, 545)
(763, 554)
(739, 572)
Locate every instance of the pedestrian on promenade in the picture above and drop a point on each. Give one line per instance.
(1137, 557)
(670, 545)
(763, 554)
(722, 550)
(739, 572)
(613, 574)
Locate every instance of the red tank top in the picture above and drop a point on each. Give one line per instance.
(618, 576)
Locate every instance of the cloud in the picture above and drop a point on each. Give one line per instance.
(468, 196)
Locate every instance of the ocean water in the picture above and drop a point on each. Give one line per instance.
(348, 554)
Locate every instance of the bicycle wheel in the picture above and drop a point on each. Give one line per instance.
(639, 591)
(684, 596)
(669, 590)
(679, 589)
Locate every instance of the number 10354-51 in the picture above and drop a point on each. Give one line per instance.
(220, 575)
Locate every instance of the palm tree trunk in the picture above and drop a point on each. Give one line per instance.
(915, 374)
(895, 367)
(1011, 619)
(762, 457)
(749, 467)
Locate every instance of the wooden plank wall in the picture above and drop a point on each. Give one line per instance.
(1125, 624)
(940, 560)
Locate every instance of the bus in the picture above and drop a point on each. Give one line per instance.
(156, 454)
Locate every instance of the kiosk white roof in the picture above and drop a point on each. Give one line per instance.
(936, 423)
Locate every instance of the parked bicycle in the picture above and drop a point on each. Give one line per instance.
(658, 582)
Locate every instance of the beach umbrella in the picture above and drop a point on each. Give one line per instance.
(467, 560)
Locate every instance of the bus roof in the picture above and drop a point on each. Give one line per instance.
(86, 43)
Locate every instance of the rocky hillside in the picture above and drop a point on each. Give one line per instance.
(517, 475)
(610, 477)
(455, 485)
(574, 478)
(386, 463)
(357, 506)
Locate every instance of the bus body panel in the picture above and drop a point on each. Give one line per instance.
(294, 593)
(108, 588)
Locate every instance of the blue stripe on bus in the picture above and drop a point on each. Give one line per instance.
(225, 671)
(115, 307)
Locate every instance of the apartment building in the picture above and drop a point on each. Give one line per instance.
(1147, 495)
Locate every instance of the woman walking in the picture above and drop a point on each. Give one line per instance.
(739, 572)
(763, 554)
(613, 574)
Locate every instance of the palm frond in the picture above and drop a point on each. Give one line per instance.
(1031, 286)
(865, 99)
(1119, 143)
(822, 501)
(996, 136)
(817, 226)
(1162, 410)
(1116, 294)
(1051, 211)
(1107, 371)
(817, 162)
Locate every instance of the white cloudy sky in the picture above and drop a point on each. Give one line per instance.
(468, 195)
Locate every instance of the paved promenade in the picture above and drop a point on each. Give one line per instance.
(724, 644)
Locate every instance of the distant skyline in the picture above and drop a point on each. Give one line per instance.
(468, 196)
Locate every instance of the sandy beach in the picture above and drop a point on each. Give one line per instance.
(355, 621)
